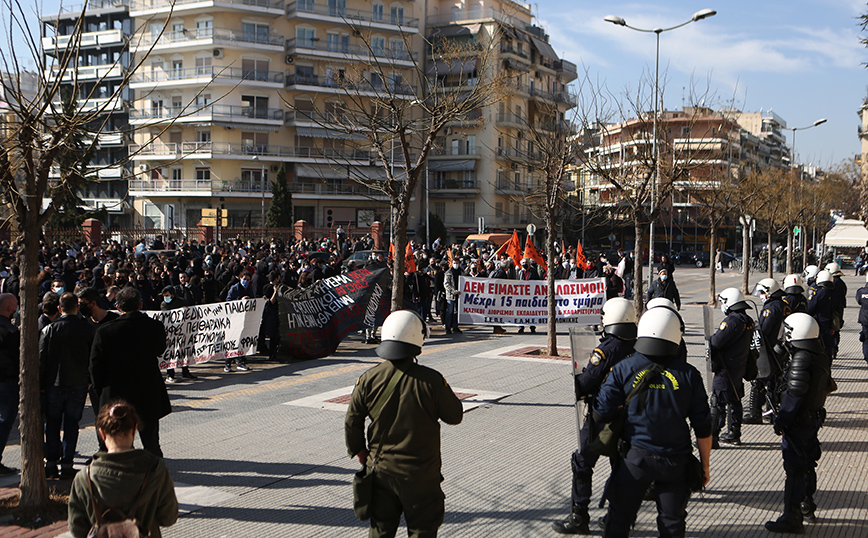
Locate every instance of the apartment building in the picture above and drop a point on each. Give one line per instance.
(770, 148)
(480, 168)
(94, 78)
(234, 90)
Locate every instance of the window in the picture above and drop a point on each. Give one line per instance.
(203, 174)
(204, 28)
(203, 137)
(254, 179)
(306, 5)
(254, 106)
(153, 216)
(254, 69)
(500, 182)
(304, 74)
(376, 81)
(255, 143)
(177, 68)
(203, 65)
(337, 8)
(377, 12)
(396, 15)
(517, 179)
(378, 46)
(469, 212)
(440, 210)
(305, 37)
(333, 42)
(455, 147)
(177, 31)
(470, 145)
(177, 174)
(396, 49)
(498, 210)
(203, 100)
(254, 32)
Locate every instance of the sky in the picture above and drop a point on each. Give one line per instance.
(800, 58)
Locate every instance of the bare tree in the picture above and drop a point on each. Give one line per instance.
(399, 108)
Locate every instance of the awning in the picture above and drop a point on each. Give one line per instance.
(544, 48)
(318, 171)
(455, 30)
(452, 165)
(452, 66)
(371, 173)
(847, 233)
(313, 132)
(245, 126)
(510, 63)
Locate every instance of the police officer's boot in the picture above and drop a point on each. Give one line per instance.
(576, 523)
(733, 428)
(790, 521)
(808, 507)
(753, 415)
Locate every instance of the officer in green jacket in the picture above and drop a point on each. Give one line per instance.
(403, 440)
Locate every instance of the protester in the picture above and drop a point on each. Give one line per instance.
(10, 340)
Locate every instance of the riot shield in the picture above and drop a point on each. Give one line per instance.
(583, 340)
(708, 330)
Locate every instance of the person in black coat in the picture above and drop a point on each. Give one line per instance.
(124, 363)
(664, 287)
(862, 301)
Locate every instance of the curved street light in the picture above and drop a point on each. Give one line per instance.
(820, 121)
(619, 21)
(802, 236)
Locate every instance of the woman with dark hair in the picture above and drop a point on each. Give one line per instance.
(133, 482)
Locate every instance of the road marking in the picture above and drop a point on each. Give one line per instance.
(336, 400)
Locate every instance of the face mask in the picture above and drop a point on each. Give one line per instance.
(58, 291)
(663, 278)
(167, 300)
(572, 266)
(723, 308)
(245, 283)
(455, 266)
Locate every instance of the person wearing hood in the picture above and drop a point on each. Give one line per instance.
(730, 346)
(405, 402)
(664, 287)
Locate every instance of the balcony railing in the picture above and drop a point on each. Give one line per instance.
(310, 7)
(88, 39)
(507, 117)
(214, 111)
(93, 4)
(509, 49)
(454, 184)
(477, 13)
(210, 73)
(220, 36)
(363, 86)
(140, 5)
(450, 151)
(292, 46)
(318, 117)
(195, 185)
(173, 150)
(106, 104)
(89, 72)
(333, 189)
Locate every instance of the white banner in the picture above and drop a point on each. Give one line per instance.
(214, 331)
(485, 301)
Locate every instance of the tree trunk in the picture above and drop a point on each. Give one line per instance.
(745, 255)
(771, 254)
(399, 233)
(712, 264)
(638, 279)
(789, 250)
(552, 328)
(34, 490)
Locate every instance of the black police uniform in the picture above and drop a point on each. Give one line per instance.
(607, 354)
(799, 419)
(795, 299)
(658, 440)
(730, 346)
(839, 303)
(820, 308)
(862, 301)
(775, 309)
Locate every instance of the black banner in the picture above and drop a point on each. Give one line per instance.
(314, 320)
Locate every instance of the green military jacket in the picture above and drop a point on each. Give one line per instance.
(408, 424)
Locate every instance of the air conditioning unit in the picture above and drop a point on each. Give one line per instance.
(357, 33)
(218, 53)
(289, 59)
(275, 168)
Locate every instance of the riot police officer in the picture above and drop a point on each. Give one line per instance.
(770, 321)
(820, 308)
(656, 442)
(794, 287)
(839, 302)
(862, 301)
(730, 346)
(619, 335)
(800, 417)
(810, 274)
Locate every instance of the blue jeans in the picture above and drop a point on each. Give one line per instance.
(63, 406)
(8, 410)
(451, 315)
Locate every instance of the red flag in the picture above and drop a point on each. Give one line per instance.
(391, 252)
(580, 255)
(505, 247)
(531, 252)
(514, 248)
(449, 254)
(409, 260)
(563, 249)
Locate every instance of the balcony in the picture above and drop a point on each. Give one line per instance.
(508, 119)
(193, 113)
(505, 186)
(317, 48)
(506, 48)
(362, 87)
(335, 189)
(212, 74)
(104, 38)
(471, 151)
(307, 9)
(200, 150)
(308, 117)
(106, 104)
(90, 72)
(566, 69)
(198, 188)
(477, 14)
(454, 184)
(196, 38)
(74, 10)
(147, 8)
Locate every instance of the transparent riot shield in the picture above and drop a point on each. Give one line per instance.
(583, 340)
(708, 330)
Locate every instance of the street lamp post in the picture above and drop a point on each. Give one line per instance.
(698, 16)
(793, 168)
(262, 189)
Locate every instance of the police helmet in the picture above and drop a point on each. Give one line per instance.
(810, 273)
(619, 318)
(794, 284)
(767, 286)
(402, 334)
(824, 278)
(834, 268)
(732, 299)
(802, 331)
(658, 302)
(659, 332)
